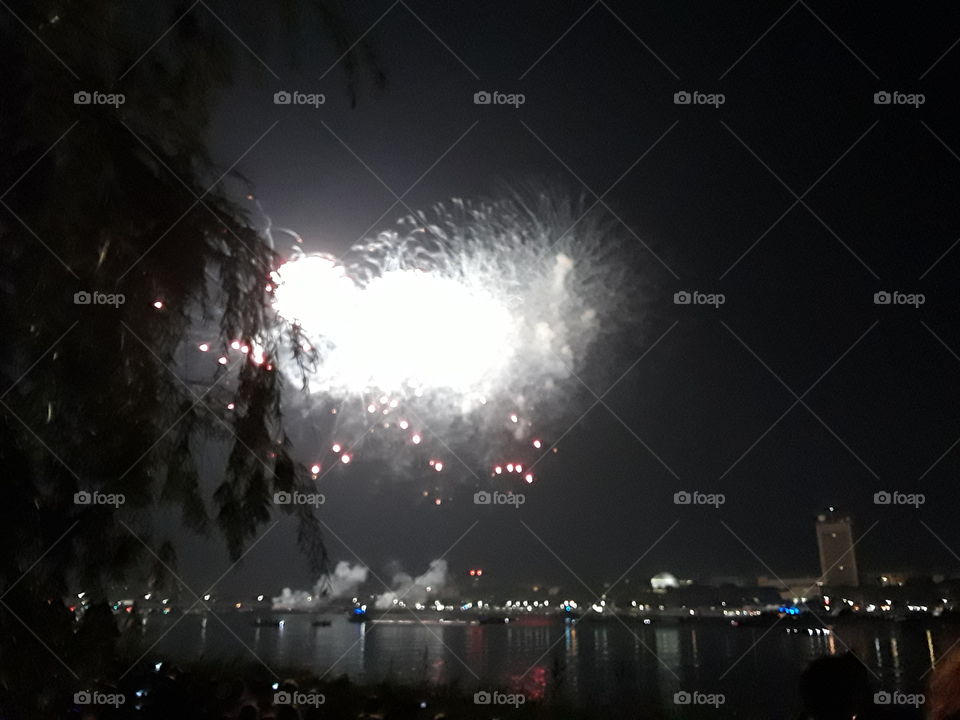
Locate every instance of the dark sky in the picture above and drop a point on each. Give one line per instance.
(714, 406)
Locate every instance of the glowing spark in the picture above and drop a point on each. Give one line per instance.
(438, 466)
(536, 444)
(498, 470)
(514, 418)
(509, 467)
(336, 447)
(345, 459)
(404, 424)
(528, 477)
(222, 360)
(203, 347)
(158, 305)
(315, 469)
(235, 344)
(416, 439)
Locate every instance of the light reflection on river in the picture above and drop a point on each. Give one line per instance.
(594, 663)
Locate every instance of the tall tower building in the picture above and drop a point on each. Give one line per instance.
(838, 561)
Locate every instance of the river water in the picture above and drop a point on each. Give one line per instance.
(595, 663)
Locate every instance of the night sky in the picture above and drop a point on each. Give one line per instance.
(798, 199)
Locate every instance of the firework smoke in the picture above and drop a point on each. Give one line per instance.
(342, 583)
(469, 324)
(413, 591)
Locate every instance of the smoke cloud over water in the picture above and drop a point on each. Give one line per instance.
(411, 591)
(346, 580)
(342, 583)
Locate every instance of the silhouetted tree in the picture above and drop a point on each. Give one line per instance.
(98, 197)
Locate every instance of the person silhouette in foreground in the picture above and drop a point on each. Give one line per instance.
(943, 702)
(838, 688)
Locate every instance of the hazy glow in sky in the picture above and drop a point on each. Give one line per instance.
(403, 330)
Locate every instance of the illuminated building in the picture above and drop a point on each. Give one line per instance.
(838, 561)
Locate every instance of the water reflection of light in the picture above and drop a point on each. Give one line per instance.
(895, 652)
(667, 651)
(571, 647)
(666, 647)
(930, 651)
(601, 644)
(533, 684)
(363, 647)
(475, 646)
(832, 643)
(694, 647)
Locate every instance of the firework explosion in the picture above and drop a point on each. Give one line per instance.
(456, 337)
